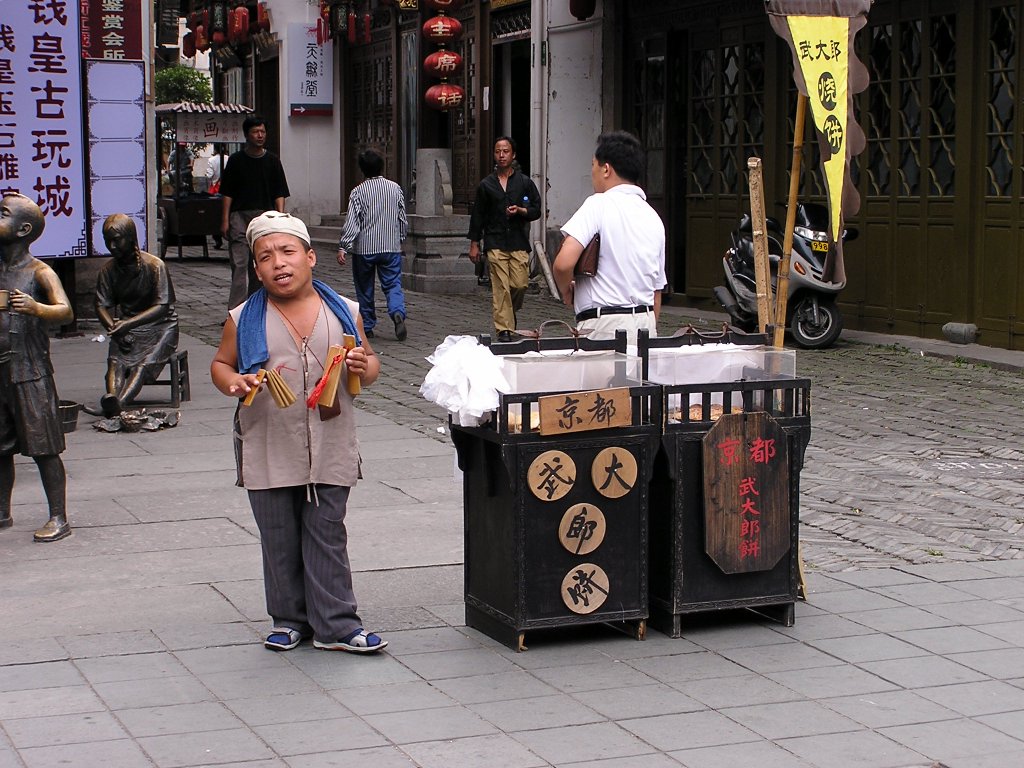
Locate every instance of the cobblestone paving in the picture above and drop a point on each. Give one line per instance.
(912, 459)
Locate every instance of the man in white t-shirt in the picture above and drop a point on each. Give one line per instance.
(626, 291)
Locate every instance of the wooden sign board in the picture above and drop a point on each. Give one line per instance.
(585, 411)
(746, 492)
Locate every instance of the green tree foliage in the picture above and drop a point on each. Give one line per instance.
(176, 84)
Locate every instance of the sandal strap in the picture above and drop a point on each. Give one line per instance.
(363, 639)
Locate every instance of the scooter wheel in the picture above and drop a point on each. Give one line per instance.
(810, 333)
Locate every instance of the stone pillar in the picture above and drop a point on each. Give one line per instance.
(436, 250)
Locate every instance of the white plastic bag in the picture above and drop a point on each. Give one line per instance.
(465, 379)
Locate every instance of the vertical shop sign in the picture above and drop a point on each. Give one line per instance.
(167, 22)
(310, 73)
(111, 29)
(820, 34)
(41, 153)
(116, 108)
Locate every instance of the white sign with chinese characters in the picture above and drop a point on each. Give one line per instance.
(310, 72)
(41, 148)
(200, 128)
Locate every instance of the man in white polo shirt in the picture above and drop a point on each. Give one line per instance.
(626, 291)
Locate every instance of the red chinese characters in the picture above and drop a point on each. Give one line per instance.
(750, 527)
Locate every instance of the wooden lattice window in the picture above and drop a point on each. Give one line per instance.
(1001, 99)
(726, 116)
(911, 108)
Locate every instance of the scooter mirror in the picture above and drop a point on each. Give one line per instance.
(850, 234)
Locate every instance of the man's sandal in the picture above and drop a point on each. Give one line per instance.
(282, 639)
(359, 641)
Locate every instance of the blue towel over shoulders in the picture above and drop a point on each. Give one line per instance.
(252, 325)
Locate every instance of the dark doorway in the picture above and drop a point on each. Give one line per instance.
(510, 98)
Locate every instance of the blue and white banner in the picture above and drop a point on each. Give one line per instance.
(41, 144)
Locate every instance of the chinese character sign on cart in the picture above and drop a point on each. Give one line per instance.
(583, 526)
(746, 492)
(41, 153)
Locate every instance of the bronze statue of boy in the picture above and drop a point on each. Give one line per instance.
(135, 286)
(29, 407)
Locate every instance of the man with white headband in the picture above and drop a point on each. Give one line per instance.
(298, 461)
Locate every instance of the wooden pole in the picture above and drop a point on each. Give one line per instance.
(759, 235)
(782, 284)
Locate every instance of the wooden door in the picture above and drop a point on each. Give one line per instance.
(907, 271)
(372, 86)
(465, 120)
(727, 122)
(999, 267)
(652, 72)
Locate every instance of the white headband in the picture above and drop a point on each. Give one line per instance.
(273, 221)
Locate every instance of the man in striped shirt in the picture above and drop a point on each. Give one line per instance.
(374, 230)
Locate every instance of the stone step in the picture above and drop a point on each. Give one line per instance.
(333, 220)
(323, 233)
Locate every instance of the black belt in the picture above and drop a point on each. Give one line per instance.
(590, 314)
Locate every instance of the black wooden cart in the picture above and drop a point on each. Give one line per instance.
(528, 558)
(685, 576)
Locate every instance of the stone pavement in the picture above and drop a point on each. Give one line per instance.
(136, 641)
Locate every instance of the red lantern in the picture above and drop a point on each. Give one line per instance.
(242, 16)
(444, 6)
(188, 45)
(194, 20)
(352, 25)
(582, 9)
(442, 29)
(366, 28)
(202, 41)
(204, 19)
(443, 64)
(262, 17)
(444, 96)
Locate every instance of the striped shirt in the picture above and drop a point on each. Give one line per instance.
(376, 221)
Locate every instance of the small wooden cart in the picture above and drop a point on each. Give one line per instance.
(190, 217)
(549, 545)
(695, 563)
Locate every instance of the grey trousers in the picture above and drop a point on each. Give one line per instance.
(306, 572)
(243, 273)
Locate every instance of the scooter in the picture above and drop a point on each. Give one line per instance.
(812, 316)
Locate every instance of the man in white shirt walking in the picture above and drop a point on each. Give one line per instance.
(626, 291)
(214, 166)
